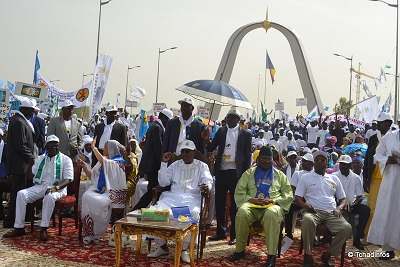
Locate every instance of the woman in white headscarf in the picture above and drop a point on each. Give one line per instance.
(108, 190)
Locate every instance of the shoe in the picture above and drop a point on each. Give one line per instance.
(271, 261)
(237, 256)
(358, 245)
(308, 261)
(232, 242)
(216, 237)
(327, 260)
(158, 252)
(185, 256)
(43, 235)
(15, 233)
(390, 255)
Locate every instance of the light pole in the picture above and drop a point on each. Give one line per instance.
(351, 71)
(158, 66)
(127, 81)
(101, 3)
(396, 89)
(85, 75)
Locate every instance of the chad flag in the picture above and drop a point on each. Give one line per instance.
(269, 66)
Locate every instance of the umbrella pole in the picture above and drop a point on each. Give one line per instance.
(209, 117)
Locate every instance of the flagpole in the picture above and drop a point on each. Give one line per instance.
(258, 92)
(265, 87)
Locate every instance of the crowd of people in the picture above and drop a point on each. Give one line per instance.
(327, 173)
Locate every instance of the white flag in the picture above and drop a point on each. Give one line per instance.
(137, 93)
(314, 114)
(100, 78)
(369, 109)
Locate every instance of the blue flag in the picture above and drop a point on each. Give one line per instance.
(37, 68)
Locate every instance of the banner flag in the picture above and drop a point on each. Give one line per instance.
(314, 114)
(36, 69)
(100, 79)
(369, 109)
(269, 66)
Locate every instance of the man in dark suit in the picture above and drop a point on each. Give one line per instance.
(111, 130)
(232, 160)
(40, 130)
(20, 155)
(182, 128)
(66, 128)
(384, 123)
(151, 155)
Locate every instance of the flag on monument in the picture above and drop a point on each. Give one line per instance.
(100, 79)
(369, 109)
(269, 66)
(36, 69)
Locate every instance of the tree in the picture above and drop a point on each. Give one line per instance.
(343, 107)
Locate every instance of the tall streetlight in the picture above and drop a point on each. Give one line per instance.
(396, 88)
(101, 3)
(158, 66)
(351, 71)
(85, 75)
(127, 81)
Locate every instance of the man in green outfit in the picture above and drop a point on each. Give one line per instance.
(263, 194)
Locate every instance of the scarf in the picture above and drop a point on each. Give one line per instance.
(263, 179)
(101, 183)
(1, 149)
(184, 132)
(27, 121)
(57, 168)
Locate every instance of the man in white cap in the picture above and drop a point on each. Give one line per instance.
(66, 128)
(185, 127)
(110, 130)
(52, 171)
(20, 153)
(87, 149)
(373, 130)
(317, 192)
(232, 160)
(372, 171)
(187, 178)
(151, 155)
(385, 227)
(352, 185)
(306, 166)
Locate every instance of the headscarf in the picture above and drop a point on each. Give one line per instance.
(114, 153)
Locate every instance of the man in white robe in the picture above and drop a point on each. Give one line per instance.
(187, 177)
(53, 171)
(385, 227)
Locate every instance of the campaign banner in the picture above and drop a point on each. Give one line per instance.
(301, 102)
(100, 78)
(203, 112)
(158, 107)
(78, 97)
(37, 92)
(131, 103)
(279, 106)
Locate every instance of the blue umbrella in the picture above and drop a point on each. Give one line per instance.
(216, 92)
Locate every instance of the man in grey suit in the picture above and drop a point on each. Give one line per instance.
(66, 128)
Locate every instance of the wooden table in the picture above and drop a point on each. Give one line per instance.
(172, 230)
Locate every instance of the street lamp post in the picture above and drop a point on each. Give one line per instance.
(158, 66)
(396, 89)
(102, 3)
(127, 81)
(351, 71)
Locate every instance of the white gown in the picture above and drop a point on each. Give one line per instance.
(185, 180)
(385, 227)
(96, 207)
